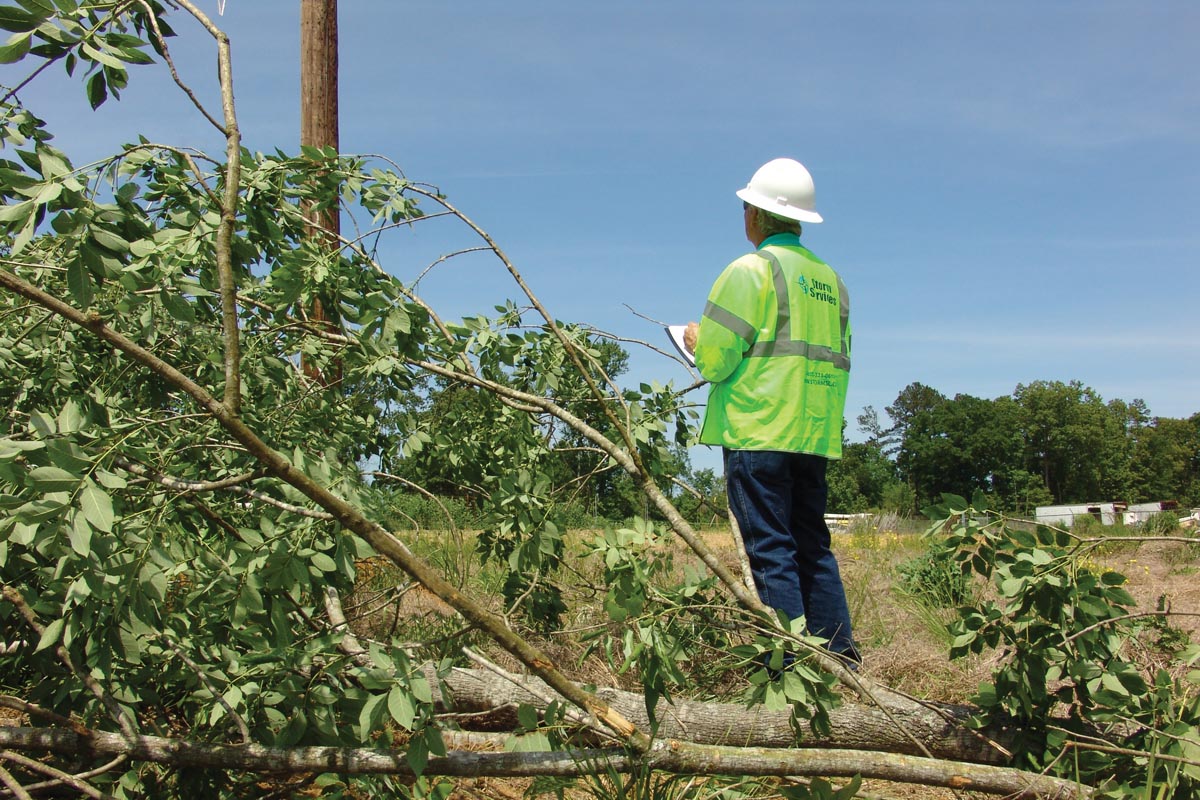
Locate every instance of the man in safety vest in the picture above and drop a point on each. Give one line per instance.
(774, 343)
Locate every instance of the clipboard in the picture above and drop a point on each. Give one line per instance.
(675, 333)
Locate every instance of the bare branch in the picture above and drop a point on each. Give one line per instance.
(337, 619)
(166, 54)
(1125, 617)
(573, 351)
(229, 205)
(182, 484)
(59, 777)
(447, 257)
(8, 780)
(17, 704)
(233, 484)
(673, 756)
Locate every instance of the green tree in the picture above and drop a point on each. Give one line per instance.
(1166, 461)
(1074, 441)
(860, 480)
(912, 400)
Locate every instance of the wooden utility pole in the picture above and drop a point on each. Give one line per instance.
(319, 74)
(319, 126)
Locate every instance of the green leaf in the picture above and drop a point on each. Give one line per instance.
(51, 634)
(103, 56)
(323, 562)
(16, 212)
(134, 56)
(420, 689)
(14, 19)
(22, 534)
(794, 688)
(52, 479)
(400, 707)
(111, 480)
(436, 744)
(527, 716)
(24, 236)
(97, 507)
(372, 710)
(955, 502)
(1111, 578)
(40, 510)
(79, 283)
(80, 535)
(850, 790)
(52, 164)
(15, 49)
(97, 89)
(109, 240)
(1040, 557)
(1113, 684)
(962, 640)
(297, 724)
(11, 448)
(527, 743)
(249, 601)
(40, 8)
(418, 755)
(1011, 587)
(70, 420)
(1120, 596)
(178, 307)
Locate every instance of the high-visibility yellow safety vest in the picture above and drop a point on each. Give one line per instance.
(774, 342)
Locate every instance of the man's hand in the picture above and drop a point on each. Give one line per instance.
(689, 337)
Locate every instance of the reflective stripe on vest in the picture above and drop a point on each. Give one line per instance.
(727, 319)
(784, 345)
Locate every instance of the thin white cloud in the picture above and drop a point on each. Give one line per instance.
(1031, 343)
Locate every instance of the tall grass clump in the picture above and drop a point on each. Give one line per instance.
(935, 579)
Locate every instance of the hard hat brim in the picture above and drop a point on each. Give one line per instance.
(779, 209)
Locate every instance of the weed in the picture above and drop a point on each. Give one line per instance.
(1164, 523)
(935, 580)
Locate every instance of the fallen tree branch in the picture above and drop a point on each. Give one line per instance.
(347, 515)
(937, 731)
(665, 755)
(917, 728)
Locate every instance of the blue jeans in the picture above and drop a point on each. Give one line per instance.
(778, 500)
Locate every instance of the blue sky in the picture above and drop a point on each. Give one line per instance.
(1010, 189)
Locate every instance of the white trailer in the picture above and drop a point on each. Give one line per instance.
(1065, 516)
(1142, 512)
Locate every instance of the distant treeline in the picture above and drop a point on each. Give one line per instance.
(1049, 442)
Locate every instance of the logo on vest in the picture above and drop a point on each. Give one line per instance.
(817, 290)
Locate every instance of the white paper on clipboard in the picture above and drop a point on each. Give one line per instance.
(675, 332)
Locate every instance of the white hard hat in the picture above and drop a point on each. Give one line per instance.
(783, 187)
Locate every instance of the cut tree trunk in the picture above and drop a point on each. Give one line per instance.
(938, 728)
